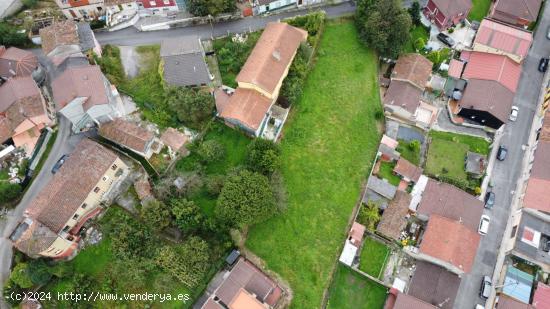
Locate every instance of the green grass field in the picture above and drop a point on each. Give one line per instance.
(351, 290)
(373, 257)
(386, 172)
(329, 144)
(447, 152)
(407, 153)
(479, 9)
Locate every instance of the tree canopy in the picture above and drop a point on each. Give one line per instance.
(263, 156)
(189, 216)
(210, 7)
(192, 107)
(384, 25)
(246, 198)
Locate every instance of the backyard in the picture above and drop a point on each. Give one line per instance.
(386, 172)
(373, 257)
(419, 37)
(446, 155)
(479, 9)
(410, 151)
(351, 290)
(329, 143)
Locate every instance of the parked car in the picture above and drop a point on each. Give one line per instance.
(514, 113)
(484, 225)
(502, 152)
(485, 289)
(543, 64)
(447, 40)
(489, 199)
(59, 163)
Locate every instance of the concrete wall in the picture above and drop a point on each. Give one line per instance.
(9, 7)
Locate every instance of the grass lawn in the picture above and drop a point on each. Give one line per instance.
(446, 155)
(479, 9)
(386, 172)
(373, 257)
(417, 33)
(329, 143)
(406, 152)
(351, 290)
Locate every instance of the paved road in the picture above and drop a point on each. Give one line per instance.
(64, 143)
(505, 174)
(132, 37)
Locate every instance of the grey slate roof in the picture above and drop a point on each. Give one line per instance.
(381, 187)
(475, 163)
(536, 224)
(85, 36)
(184, 62)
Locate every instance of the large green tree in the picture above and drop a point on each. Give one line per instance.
(210, 7)
(193, 107)
(384, 25)
(156, 215)
(10, 36)
(187, 262)
(189, 216)
(263, 156)
(246, 198)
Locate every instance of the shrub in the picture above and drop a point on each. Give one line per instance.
(156, 215)
(263, 156)
(97, 24)
(369, 215)
(188, 216)
(20, 275)
(214, 184)
(293, 84)
(8, 192)
(192, 107)
(211, 151)
(414, 146)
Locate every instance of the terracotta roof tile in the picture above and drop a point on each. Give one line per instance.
(450, 8)
(408, 170)
(536, 196)
(541, 298)
(356, 233)
(84, 81)
(503, 37)
(413, 68)
(59, 33)
(35, 239)
(394, 218)
(128, 134)
(493, 67)
(507, 302)
(435, 285)
(16, 62)
(174, 139)
(455, 68)
(525, 9)
(446, 200)
(274, 51)
(71, 185)
(404, 301)
(450, 241)
(248, 107)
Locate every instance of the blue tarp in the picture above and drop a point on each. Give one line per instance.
(518, 284)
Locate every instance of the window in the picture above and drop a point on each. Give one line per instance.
(514, 231)
(105, 178)
(96, 189)
(66, 228)
(84, 206)
(75, 217)
(114, 167)
(152, 3)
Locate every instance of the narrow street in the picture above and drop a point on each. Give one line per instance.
(505, 174)
(132, 37)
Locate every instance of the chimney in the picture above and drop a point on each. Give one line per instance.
(277, 55)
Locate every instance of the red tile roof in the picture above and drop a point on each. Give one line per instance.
(507, 302)
(448, 201)
(404, 301)
(450, 241)
(455, 68)
(413, 68)
(58, 34)
(128, 134)
(408, 170)
(541, 298)
(69, 187)
(85, 81)
(248, 107)
(493, 67)
(356, 233)
(536, 196)
(450, 8)
(174, 139)
(503, 37)
(266, 66)
(16, 62)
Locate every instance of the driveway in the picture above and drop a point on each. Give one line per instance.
(132, 37)
(505, 174)
(64, 143)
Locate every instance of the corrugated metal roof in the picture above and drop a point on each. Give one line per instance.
(502, 37)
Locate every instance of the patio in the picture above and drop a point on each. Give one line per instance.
(462, 35)
(275, 122)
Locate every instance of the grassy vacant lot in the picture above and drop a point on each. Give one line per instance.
(407, 153)
(328, 146)
(386, 172)
(420, 34)
(479, 9)
(447, 152)
(373, 257)
(351, 290)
